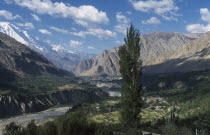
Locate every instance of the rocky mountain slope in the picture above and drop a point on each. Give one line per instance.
(13, 105)
(17, 59)
(193, 56)
(154, 45)
(58, 55)
(31, 83)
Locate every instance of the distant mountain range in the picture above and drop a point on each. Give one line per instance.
(61, 57)
(162, 52)
(158, 48)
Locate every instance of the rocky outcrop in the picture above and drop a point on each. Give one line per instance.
(16, 105)
(154, 45)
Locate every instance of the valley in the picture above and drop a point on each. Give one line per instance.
(41, 92)
(154, 82)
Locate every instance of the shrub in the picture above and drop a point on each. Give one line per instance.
(12, 129)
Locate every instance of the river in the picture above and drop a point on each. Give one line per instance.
(39, 117)
(47, 115)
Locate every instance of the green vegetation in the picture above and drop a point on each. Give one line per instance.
(36, 84)
(167, 110)
(173, 104)
(190, 105)
(43, 85)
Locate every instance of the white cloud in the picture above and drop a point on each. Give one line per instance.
(91, 47)
(100, 33)
(152, 20)
(164, 8)
(205, 14)
(169, 18)
(59, 30)
(75, 44)
(8, 15)
(46, 32)
(97, 32)
(83, 15)
(200, 28)
(27, 25)
(121, 18)
(123, 23)
(35, 17)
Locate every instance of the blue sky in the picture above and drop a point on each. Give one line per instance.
(94, 25)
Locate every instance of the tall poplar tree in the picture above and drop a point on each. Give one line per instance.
(131, 71)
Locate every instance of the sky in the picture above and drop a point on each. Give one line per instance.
(94, 25)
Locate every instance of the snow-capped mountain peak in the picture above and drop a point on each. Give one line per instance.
(8, 29)
(57, 54)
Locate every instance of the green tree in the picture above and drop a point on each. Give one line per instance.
(131, 70)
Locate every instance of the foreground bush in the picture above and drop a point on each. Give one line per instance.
(171, 129)
(12, 129)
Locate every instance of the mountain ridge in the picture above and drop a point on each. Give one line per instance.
(154, 45)
(193, 56)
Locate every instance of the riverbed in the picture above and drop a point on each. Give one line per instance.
(39, 117)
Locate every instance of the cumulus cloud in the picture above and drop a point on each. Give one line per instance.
(164, 8)
(83, 15)
(8, 15)
(35, 17)
(123, 23)
(98, 32)
(27, 25)
(44, 31)
(200, 28)
(75, 44)
(205, 14)
(60, 30)
(152, 20)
